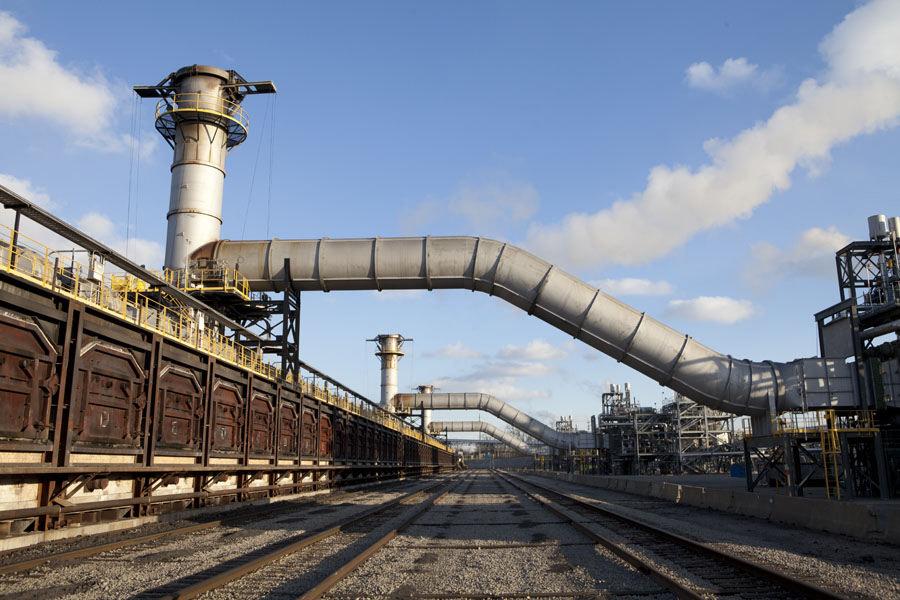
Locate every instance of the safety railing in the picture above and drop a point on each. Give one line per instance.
(197, 104)
(209, 279)
(814, 422)
(124, 297)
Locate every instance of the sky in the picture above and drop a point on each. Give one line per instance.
(701, 161)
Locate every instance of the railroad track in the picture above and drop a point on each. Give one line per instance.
(417, 590)
(241, 517)
(728, 575)
(268, 561)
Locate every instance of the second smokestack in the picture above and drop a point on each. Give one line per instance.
(390, 351)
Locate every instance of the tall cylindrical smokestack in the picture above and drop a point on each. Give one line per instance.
(201, 117)
(426, 412)
(198, 166)
(390, 352)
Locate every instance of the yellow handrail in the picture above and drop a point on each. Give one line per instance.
(208, 103)
(123, 297)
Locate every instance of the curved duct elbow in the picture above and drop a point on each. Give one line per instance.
(630, 336)
(500, 409)
(479, 427)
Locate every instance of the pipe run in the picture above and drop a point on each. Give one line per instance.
(630, 336)
(481, 427)
(500, 409)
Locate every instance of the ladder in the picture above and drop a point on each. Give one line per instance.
(831, 456)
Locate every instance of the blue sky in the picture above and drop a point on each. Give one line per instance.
(500, 119)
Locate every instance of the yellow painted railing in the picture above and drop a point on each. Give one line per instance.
(195, 105)
(123, 296)
(216, 279)
(814, 422)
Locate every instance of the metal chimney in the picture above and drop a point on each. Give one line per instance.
(426, 412)
(390, 352)
(878, 227)
(200, 115)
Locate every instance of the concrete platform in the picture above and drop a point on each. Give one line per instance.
(861, 518)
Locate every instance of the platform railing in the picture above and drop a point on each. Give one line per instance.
(127, 299)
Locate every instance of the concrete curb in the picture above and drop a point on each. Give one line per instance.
(880, 521)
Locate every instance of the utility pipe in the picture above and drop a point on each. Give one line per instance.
(506, 412)
(481, 427)
(630, 336)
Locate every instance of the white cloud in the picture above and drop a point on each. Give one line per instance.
(96, 225)
(483, 207)
(35, 85)
(506, 388)
(812, 255)
(141, 251)
(501, 378)
(733, 73)
(26, 189)
(31, 234)
(718, 309)
(630, 286)
(535, 350)
(454, 350)
(859, 94)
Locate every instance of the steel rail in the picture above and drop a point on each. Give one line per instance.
(679, 589)
(300, 541)
(273, 509)
(756, 570)
(324, 586)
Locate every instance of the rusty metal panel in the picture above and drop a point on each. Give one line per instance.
(28, 380)
(289, 430)
(340, 433)
(308, 432)
(369, 447)
(108, 397)
(228, 417)
(378, 450)
(326, 436)
(352, 440)
(262, 424)
(180, 413)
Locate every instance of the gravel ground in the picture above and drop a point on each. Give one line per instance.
(208, 514)
(846, 565)
(136, 570)
(296, 573)
(489, 538)
(484, 538)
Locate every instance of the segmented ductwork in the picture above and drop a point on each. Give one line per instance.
(630, 336)
(480, 427)
(501, 410)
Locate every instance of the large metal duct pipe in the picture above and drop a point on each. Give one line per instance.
(389, 353)
(480, 427)
(500, 409)
(201, 117)
(670, 357)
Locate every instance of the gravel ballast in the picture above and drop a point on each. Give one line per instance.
(850, 566)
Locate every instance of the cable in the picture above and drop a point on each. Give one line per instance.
(137, 185)
(413, 366)
(271, 163)
(262, 133)
(366, 369)
(130, 173)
